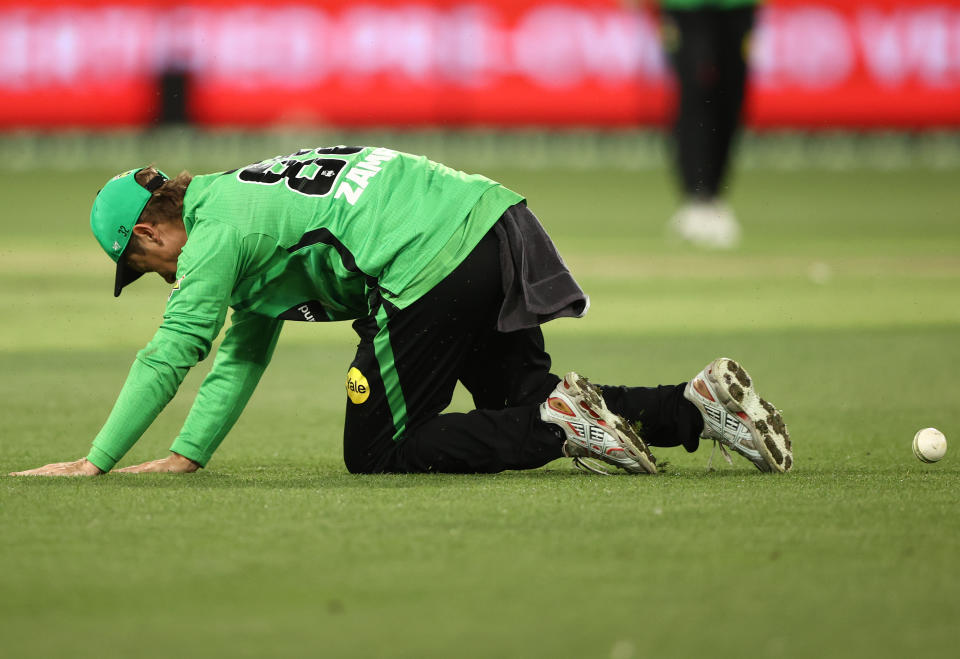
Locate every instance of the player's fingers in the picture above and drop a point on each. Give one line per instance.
(140, 468)
(75, 468)
(48, 470)
(38, 471)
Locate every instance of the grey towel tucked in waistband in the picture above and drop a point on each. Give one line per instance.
(537, 285)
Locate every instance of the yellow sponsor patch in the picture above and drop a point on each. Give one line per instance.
(176, 287)
(358, 390)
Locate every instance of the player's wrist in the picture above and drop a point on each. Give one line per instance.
(100, 460)
(184, 462)
(90, 468)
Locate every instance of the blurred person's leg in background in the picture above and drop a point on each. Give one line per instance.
(708, 50)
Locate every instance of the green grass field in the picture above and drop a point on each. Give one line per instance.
(843, 302)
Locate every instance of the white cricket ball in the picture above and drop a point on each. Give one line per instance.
(929, 445)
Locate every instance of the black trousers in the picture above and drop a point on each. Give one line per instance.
(707, 49)
(408, 363)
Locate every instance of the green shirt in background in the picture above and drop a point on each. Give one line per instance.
(322, 234)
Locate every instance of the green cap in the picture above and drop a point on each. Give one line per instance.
(115, 211)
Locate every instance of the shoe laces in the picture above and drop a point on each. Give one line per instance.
(591, 466)
(586, 464)
(723, 451)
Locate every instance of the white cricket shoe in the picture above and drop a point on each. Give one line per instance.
(592, 431)
(735, 416)
(709, 224)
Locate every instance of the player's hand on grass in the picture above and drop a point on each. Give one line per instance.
(172, 464)
(81, 467)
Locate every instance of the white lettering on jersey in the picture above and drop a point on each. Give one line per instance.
(351, 194)
(360, 176)
(361, 173)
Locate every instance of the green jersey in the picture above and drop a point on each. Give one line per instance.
(321, 234)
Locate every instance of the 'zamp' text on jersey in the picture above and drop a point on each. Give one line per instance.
(358, 177)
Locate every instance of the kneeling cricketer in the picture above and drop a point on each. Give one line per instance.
(447, 277)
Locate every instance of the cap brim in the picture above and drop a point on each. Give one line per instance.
(125, 275)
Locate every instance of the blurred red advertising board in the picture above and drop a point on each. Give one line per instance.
(815, 63)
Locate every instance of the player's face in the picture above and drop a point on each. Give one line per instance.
(151, 261)
(160, 248)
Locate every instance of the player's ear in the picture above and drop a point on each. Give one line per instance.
(145, 232)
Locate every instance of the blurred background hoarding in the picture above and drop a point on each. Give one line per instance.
(101, 64)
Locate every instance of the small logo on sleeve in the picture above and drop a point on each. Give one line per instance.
(358, 390)
(176, 287)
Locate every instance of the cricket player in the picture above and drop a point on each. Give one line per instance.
(707, 43)
(446, 276)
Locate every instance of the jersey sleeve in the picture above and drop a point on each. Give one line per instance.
(207, 271)
(241, 359)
